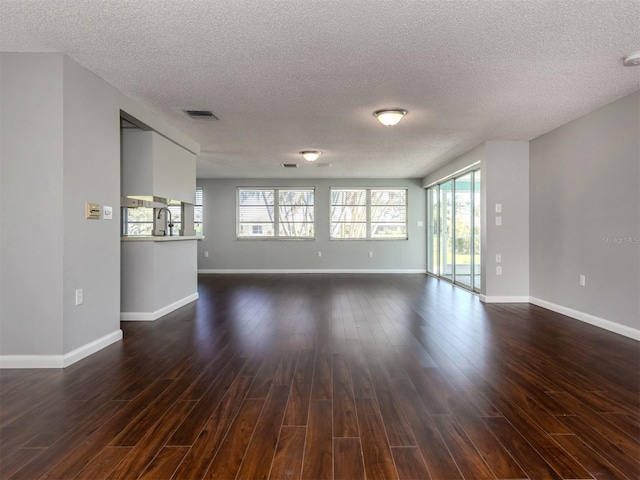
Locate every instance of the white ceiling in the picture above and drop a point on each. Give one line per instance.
(288, 75)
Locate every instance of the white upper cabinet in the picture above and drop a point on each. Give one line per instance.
(155, 166)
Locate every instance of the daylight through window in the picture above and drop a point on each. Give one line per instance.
(280, 213)
(368, 213)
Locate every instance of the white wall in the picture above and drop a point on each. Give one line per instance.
(585, 216)
(228, 253)
(60, 143)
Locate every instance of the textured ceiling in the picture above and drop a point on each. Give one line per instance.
(288, 75)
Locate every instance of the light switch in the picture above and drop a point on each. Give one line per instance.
(420, 223)
(92, 211)
(498, 208)
(107, 213)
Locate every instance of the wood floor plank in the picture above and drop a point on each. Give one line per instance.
(146, 449)
(230, 455)
(261, 449)
(397, 427)
(300, 395)
(530, 460)
(287, 461)
(597, 466)
(317, 463)
(210, 437)
(190, 428)
(345, 421)
(378, 461)
(347, 459)
(437, 456)
(164, 464)
(468, 459)
(103, 463)
(409, 463)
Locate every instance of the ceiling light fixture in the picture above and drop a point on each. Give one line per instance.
(310, 155)
(389, 116)
(631, 60)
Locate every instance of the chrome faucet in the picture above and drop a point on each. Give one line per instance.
(170, 221)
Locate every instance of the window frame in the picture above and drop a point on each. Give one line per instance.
(200, 206)
(369, 220)
(276, 215)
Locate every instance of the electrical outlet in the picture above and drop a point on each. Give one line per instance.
(79, 296)
(370, 254)
(582, 280)
(498, 270)
(206, 254)
(498, 220)
(319, 254)
(498, 258)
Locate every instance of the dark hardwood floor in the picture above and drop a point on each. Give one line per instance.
(333, 376)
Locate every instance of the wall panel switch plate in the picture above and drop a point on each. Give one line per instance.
(92, 211)
(582, 280)
(498, 258)
(319, 254)
(79, 296)
(498, 270)
(107, 213)
(420, 224)
(206, 254)
(498, 208)
(370, 254)
(498, 220)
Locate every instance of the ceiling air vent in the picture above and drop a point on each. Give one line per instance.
(201, 114)
(290, 165)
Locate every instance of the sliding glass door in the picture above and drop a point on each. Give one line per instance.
(454, 231)
(433, 230)
(463, 229)
(446, 230)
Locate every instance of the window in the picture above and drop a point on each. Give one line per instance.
(282, 213)
(368, 213)
(137, 221)
(175, 207)
(198, 213)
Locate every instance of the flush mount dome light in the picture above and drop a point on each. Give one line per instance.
(389, 116)
(310, 155)
(631, 60)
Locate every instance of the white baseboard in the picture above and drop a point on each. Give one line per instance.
(503, 299)
(59, 361)
(151, 316)
(309, 270)
(587, 318)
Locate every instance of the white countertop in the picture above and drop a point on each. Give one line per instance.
(157, 238)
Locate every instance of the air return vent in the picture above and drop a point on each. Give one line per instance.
(201, 114)
(290, 165)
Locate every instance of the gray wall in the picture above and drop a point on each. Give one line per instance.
(91, 249)
(228, 253)
(32, 193)
(505, 180)
(585, 214)
(60, 144)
